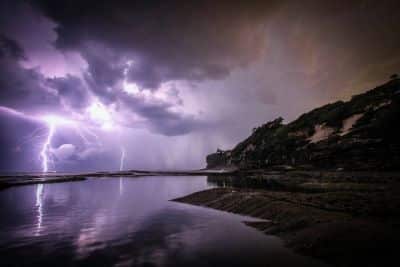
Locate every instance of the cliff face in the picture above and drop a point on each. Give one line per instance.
(361, 134)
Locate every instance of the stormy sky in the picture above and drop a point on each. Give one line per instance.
(160, 84)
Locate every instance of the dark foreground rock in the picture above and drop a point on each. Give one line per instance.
(345, 222)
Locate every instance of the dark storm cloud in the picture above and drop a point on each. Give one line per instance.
(200, 40)
(159, 116)
(21, 88)
(105, 70)
(26, 89)
(71, 90)
(327, 47)
(145, 75)
(10, 49)
(163, 41)
(351, 44)
(14, 148)
(167, 40)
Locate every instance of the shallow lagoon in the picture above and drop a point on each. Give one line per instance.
(129, 222)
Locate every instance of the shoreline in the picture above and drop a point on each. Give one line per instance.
(342, 218)
(258, 177)
(343, 223)
(7, 181)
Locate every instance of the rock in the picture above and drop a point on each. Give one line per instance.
(216, 160)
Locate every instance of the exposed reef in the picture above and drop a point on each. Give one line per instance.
(345, 219)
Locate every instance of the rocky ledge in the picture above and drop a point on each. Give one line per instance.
(345, 219)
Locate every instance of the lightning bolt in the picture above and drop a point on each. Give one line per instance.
(52, 123)
(98, 113)
(121, 163)
(45, 152)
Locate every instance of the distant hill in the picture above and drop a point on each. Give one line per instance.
(360, 134)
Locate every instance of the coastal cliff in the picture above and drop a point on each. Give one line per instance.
(360, 134)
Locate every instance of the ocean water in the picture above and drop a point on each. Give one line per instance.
(129, 222)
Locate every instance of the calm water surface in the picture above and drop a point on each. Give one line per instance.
(128, 222)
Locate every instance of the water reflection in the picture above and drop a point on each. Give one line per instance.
(39, 205)
(121, 185)
(128, 222)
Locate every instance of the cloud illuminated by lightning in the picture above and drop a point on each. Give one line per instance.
(97, 116)
(45, 153)
(101, 115)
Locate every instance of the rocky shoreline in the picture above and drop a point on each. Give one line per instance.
(343, 218)
(7, 181)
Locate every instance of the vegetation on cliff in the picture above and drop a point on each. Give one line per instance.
(359, 134)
